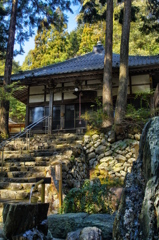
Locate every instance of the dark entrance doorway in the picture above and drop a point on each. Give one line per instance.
(69, 116)
(56, 117)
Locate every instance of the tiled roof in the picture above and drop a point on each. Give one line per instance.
(90, 61)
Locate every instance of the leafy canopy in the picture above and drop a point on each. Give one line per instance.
(30, 14)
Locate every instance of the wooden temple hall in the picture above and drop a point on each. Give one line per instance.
(66, 90)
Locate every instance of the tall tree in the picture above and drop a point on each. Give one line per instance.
(151, 18)
(3, 31)
(25, 15)
(121, 101)
(107, 75)
(93, 11)
(50, 44)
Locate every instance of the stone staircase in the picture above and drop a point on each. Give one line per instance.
(22, 166)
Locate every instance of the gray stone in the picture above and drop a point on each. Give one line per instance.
(131, 160)
(123, 173)
(103, 141)
(106, 159)
(92, 233)
(118, 165)
(91, 162)
(60, 225)
(112, 163)
(138, 214)
(87, 138)
(120, 158)
(97, 144)
(108, 153)
(74, 235)
(100, 149)
(117, 144)
(137, 137)
(100, 156)
(95, 137)
(91, 155)
(102, 135)
(104, 166)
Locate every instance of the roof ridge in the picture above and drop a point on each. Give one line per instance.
(51, 65)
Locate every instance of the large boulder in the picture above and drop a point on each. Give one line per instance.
(86, 233)
(60, 225)
(21, 217)
(138, 214)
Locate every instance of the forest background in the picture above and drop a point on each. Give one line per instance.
(57, 44)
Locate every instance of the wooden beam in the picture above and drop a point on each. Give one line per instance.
(50, 112)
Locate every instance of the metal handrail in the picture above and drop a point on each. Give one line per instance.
(25, 130)
(18, 135)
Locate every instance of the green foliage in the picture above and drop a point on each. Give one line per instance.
(142, 114)
(17, 110)
(91, 34)
(92, 197)
(112, 182)
(92, 11)
(144, 98)
(50, 45)
(31, 14)
(72, 158)
(151, 17)
(15, 67)
(95, 117)
(27, 62)
(54, 44)
(138, 116)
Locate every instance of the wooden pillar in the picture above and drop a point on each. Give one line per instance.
(50, 112)
(27, 110)
(62, 117)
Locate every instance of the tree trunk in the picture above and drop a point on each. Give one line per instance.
(107, 76)
(121, 102)
(8, 69)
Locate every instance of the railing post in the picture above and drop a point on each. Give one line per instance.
(27, 139)
(29, 142)
(2, 152)
(49, 125)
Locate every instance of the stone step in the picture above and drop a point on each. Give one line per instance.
(31, 159)
(15, 186)
(18, 180)
(25, 174)
(17, 168)
(19, 159)
(15, 164)
(25, 164)
(44, 153)
(14, 195)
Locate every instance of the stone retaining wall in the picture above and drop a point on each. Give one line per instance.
(97, 156)
(109, 158)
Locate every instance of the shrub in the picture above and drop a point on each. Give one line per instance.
(92, 197)
(95, 117)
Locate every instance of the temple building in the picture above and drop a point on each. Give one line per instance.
(66, 90)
